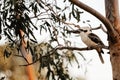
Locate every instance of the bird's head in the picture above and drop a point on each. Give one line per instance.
(85, 30)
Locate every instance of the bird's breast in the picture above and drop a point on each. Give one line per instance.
(87, 41)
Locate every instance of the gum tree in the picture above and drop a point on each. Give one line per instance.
(19, 19)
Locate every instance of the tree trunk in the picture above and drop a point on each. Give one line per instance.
(112, 14)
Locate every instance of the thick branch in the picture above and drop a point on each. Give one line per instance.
(112, 13)
(112, 10)
(105, 21)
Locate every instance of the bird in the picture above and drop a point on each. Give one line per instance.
(92, 41)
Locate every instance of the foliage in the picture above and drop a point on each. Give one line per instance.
(19, 15)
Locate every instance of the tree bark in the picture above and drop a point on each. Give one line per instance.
(30, 68)
(112, 14)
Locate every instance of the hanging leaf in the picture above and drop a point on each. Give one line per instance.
(0, 25)
(9, 32)
(5, 13)
(31, 32)
(53, 16)
(49, 31)
(35, 9)
(81, 55)
(48, 4)
(33, 40)
(57, 7)
(73, 13)
(7, 24)
(9, 37)
(70, 16)
(47, 23)
(41, 5)
(28, 18)
(64, 17)
(42, 27)
(78, 16)
(23, 7)
(31, 5)
(64, 1)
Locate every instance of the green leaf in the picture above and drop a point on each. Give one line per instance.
(72, 7)
(49, 31)
(48, 4)
(7, 24)
(41, 5)
(0, 25)
(47, 23)
(31, 5)
(28, 18)
(33, 40)
(81, 55)
(30, 31)
(53, 16)
(64, 17)
(73, 13)
(57, 7)
(64, 1)
(42, 27)
(78, 15)
(35, 9)
(5, 13)
(9, 31)
(9, 37)
(70, 16)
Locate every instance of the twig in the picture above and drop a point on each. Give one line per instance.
(99, 27)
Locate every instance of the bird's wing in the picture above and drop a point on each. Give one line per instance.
(95, 38)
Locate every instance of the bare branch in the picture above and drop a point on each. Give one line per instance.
(80, 49)
(99, 27)
(74, 48)
(74, 31)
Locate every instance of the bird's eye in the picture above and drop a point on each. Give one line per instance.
(2, 78)
(85, 30)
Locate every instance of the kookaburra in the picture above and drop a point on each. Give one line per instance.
(92, 41)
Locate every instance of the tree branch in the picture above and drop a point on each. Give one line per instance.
(77, 48)
(74, 48)
(99, 27)
(105, 21)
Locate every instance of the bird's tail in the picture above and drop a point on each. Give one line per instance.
(101, 58)
(100, 55)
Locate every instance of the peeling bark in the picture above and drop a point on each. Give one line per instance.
(30, 68)
(112, 13)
